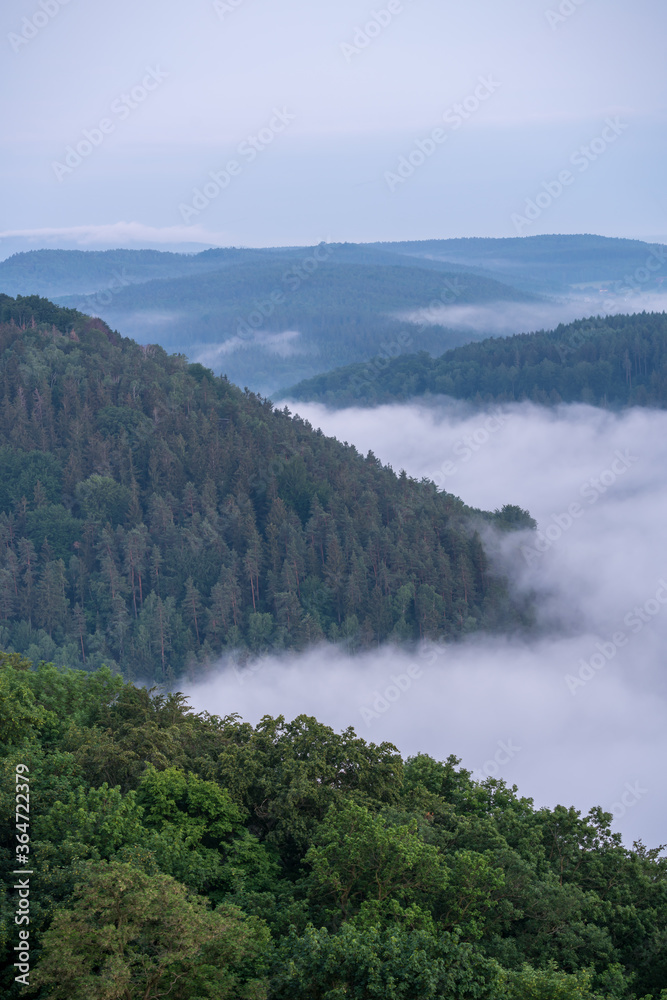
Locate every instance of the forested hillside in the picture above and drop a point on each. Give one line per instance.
(269, 317)
(263, 317)
(199, 858)
(274, 317)
(153, 515)
(89, 272)
(53, 273)
(612, 361)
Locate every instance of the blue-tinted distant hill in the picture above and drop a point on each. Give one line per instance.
(547, 264)
(96, 272)
(269, 318)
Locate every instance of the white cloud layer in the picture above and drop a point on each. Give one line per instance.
(282, 344)
(585, 703)
(507, 318)
(118, 234)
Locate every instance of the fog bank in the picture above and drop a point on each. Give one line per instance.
(575, 716)
(503, 319)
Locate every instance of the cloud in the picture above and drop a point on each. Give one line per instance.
(119, 234)
(596, 575)
(506, 318)
(281, 344)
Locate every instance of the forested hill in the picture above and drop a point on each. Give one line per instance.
(612, 361)
(182, 855)
(153, 515)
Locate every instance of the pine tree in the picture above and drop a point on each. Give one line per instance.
(192, 606)
(52, 604)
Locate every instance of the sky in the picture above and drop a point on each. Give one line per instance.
(404, 119)
(574, 715)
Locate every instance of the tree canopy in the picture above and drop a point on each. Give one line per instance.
(153, 515)
(613, 361)
(179, 853)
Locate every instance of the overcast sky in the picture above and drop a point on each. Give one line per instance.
(358, 86)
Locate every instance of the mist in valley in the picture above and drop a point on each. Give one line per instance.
(503, 319)
(573, 714)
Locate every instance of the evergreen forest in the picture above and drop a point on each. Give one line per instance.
(613, 361)
(154, 517)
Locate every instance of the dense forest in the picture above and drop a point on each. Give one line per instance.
(153, 516)
(263, 317)
(271, 319)
(545, 264)
(185, 855)
(91, 272)
(613, 361)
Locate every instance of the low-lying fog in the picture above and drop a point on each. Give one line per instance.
(501, 319)
(576, 716)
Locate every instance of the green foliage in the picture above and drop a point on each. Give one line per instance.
(547, 984)
(55, 526)
(153, 516)
(135, 935)
(20, 715)
(21, 471)
(27, 310)
(615, 361)
(370, 963)
(357, 858)
(182, 852)
(102, 499)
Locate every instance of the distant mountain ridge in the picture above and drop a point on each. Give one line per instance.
(268, 318)
(545, 264)
(271, 317)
